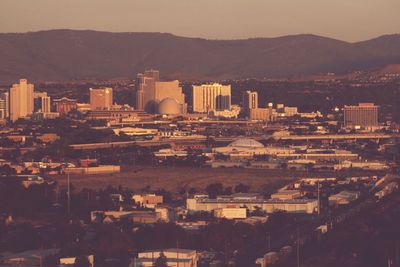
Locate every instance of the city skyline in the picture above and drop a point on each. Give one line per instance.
(263, 18)
(181, 133)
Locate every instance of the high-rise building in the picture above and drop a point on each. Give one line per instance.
(42, 102)
(145, 83)
(5, 105)
(211, 97)
(155, 74)
(151, 92)
(64, 105)
(2, 109)
(250, 100)
(21, 100)
(364, 115)
(46, 104)
(262, 114)
(101, 98)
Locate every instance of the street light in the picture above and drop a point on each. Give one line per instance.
(268, 236)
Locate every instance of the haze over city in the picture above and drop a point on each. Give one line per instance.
(354, 20)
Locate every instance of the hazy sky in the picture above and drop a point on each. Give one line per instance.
(350, 20)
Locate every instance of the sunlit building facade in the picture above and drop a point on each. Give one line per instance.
(21, 100)
(101, 98)
(211, 97)
(364, 115)
(151, 93)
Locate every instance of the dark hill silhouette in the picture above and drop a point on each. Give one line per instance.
(72, 54)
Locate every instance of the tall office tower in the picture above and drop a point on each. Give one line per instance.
(211, 97)
(2, 109)
(155, 74)
(250, 101)
(151, 92)
(46, 104)
(145, 83)
(101, 98)
(141, 84)
(42, 102)
(21, 100)
(5, 97)
(364, 115)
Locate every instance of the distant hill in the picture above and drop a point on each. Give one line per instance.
(70, 54)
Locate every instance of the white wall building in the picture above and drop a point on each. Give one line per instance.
(231, 213)
(308, 206)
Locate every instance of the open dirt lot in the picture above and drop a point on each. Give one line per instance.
(174, 178)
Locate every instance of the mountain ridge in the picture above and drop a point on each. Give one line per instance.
(58, 55)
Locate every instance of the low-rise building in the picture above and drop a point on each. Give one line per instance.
(93, 170)
(175, 257)
(231, 213)
(136, 216)
(70, 261)
(48, 137)
(131, 131)
(147, 200)
(286, 194)
(365, 165)
(343, 198)
(201, 203)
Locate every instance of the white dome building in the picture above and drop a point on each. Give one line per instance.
(246, 143)
(246, 147)
(169, 106)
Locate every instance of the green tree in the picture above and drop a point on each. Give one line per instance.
(214, 189)
(241, 188)
(161, 261)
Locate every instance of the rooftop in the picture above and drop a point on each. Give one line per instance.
(246, 142)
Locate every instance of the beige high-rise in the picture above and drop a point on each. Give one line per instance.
(46, 104)
(145, 86)
(363, 115)
(211, 97)
(150, 92)
(21, 100)
(101, 98)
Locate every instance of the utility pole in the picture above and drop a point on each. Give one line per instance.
(268, 241)
(177, 253)
(319, 200)
(298, 247)
(226, 253)
(69, 195)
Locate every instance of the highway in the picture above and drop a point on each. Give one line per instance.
(312, 137)
(191, 139)
(147, 143)
(337, 136)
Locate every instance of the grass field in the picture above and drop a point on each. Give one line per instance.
(174, 178)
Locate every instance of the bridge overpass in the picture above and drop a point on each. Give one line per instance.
(337, 137)
(194, 139)
(147, 143)
(311, 137)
